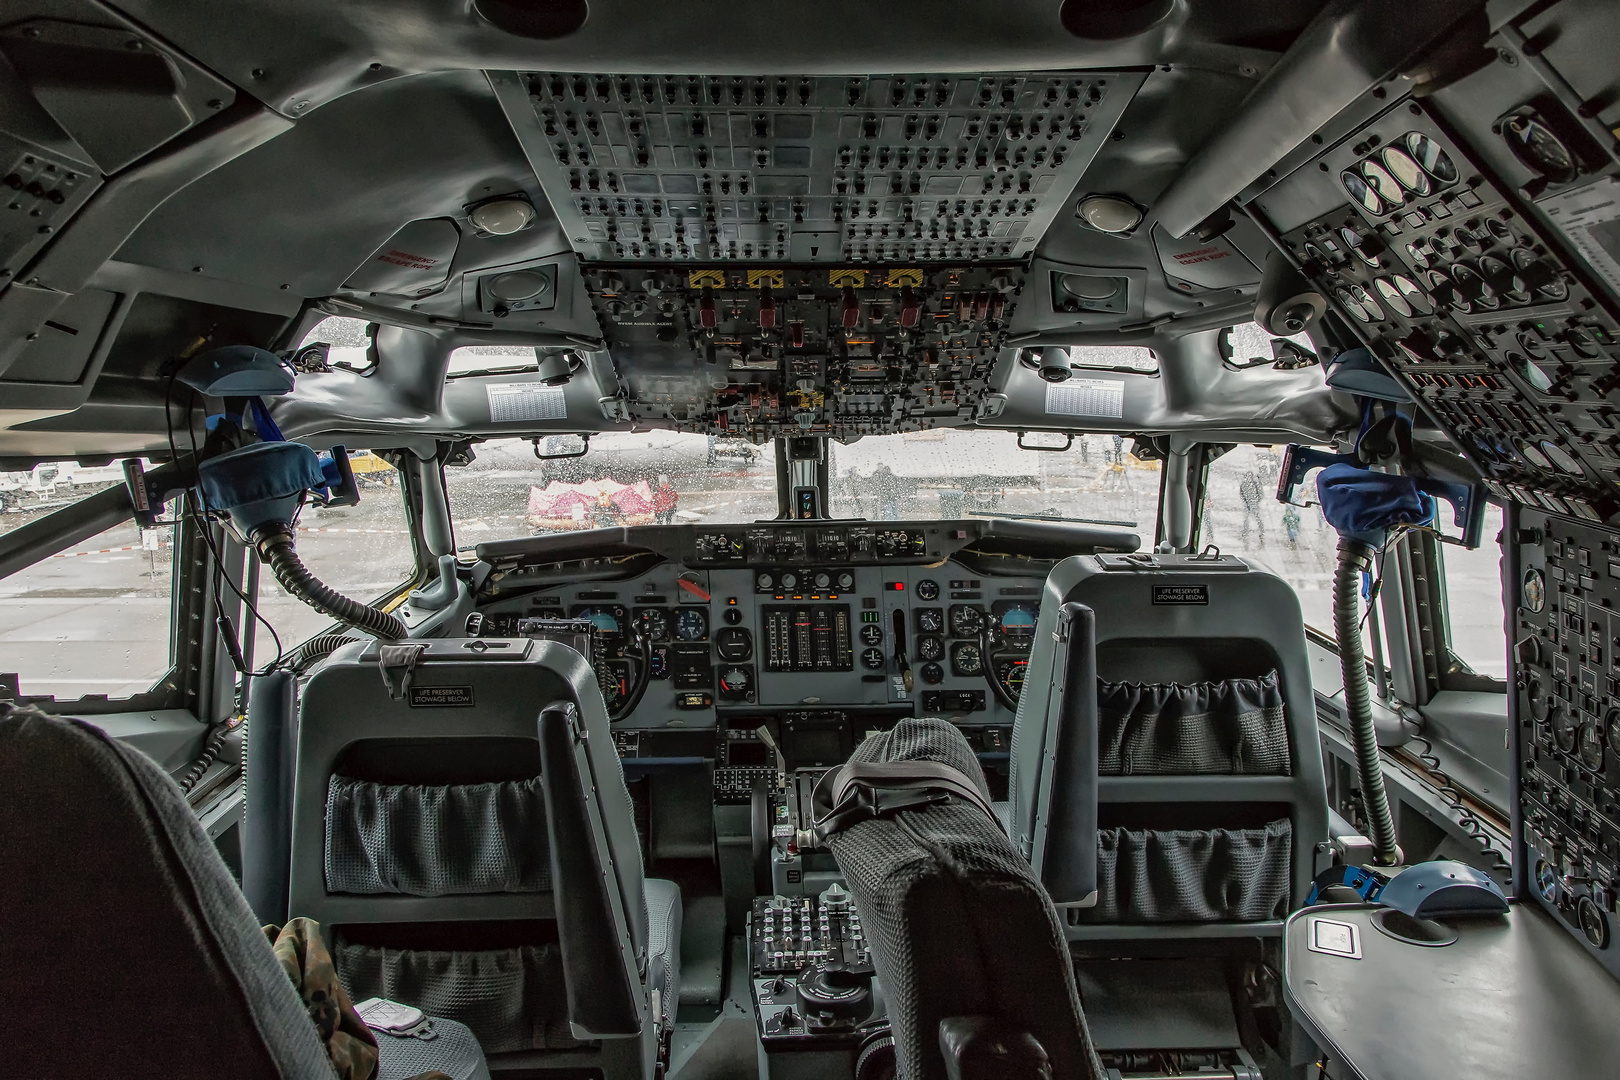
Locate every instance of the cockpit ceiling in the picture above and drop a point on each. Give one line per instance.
(818, 219)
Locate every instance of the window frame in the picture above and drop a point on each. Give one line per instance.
(1452, 672)
(179, 686)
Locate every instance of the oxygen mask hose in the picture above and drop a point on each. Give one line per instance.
(1355, 559)
(274, 543)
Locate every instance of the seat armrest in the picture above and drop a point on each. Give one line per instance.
(988, 1048)
(602, 986)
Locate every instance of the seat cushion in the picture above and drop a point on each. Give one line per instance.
(452, 1050)
(664, 944)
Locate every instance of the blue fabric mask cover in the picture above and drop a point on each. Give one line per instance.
(1360, 501)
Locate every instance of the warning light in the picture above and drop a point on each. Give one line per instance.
(895, 586)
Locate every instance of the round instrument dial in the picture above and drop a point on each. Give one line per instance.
(928, 589)
(691, 624)
(1413, 295)
(1535, 598)
(871, 635)
(930, 647)
(932, 674)
(1383, 183)
(1392, 297)
(1591, 745)
(1407, 171)
(733, 643)
(1431, 157)
(966, 659)
(736, 681)
(1564, 727)
(1010, 673)
(655, 624)
(1534, 144)
(872, 659)
(930, 620)
(966, 621)
(1361, 192)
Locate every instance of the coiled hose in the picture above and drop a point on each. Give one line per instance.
(274, 543)
(318, 648)
(1447, 789)
(1355, 559)
(211, 748)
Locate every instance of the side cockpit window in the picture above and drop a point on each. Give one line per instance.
(93, 619)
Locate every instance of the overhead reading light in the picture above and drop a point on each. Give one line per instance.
(556, 368)
(1051, 363)
(1109, 213)
(502, 217)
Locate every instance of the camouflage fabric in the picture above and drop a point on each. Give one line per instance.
(349, 1043)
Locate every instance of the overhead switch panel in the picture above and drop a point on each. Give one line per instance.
(825, 169)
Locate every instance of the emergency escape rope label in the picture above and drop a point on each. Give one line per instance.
(526, 401)
(1086, 397)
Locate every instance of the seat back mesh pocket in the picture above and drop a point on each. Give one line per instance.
(436, 840)
(1228, 726)
(512, 998)
(1190, 875)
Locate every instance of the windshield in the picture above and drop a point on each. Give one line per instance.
(945, 473)
(632, 478)
(652, 477)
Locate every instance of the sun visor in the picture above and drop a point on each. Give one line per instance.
(415, 260)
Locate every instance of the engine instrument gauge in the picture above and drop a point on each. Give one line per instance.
(1407, 171)
(1565, 729)
(1392, 297)
(1383, 183)
(872, 659)
(1356, 186)
(871, 635)
(1432, 157)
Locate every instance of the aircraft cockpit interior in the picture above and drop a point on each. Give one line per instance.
(590, 540)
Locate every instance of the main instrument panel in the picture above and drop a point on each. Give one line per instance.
(917, 618)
